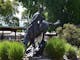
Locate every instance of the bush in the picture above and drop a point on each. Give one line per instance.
(71, 51)
(4, 46)
(16, 51)
(70, 47)
(11, 50)
(78, 53)
(55, 48)
(71, 54)
(69, 32)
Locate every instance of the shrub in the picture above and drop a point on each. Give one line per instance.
(69, 32)
(70, 47)
(16, 51)
(71, 51)
(55, 48)
(78, 53)
(11, 50)
(4, 46)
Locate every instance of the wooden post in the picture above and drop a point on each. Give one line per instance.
(2, 35)
(15, 35)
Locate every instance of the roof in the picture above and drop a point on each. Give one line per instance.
(11, 28)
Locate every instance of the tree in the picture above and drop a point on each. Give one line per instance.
(14, 22)
(73, 10)
(68, 11)
(31, 5)
(64, 10)
(53, 11)
(7, 9)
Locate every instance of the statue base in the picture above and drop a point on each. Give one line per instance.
(39, 58)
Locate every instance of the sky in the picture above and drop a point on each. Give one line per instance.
(20, 9)
(19, 15)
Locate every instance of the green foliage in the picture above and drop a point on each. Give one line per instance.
(31, 5)
(78, 52)
(11, 50)
(64, 10)
(54, 8)
(71, 51)
(69, 47)
(71, 54)
(69, 32)
(4, 46)
(5, 7)
(73, 11)
(14, 22)
(16, 51)
(55, 48)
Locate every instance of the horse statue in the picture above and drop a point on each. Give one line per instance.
(37, 27)
(37, 30)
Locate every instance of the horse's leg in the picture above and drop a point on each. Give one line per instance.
(32, 42)
(25, 41)
(41, 47)
(42, 44)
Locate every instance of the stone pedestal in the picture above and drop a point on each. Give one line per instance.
(39, 58)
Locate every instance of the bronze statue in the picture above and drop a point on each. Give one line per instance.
(36, 28)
